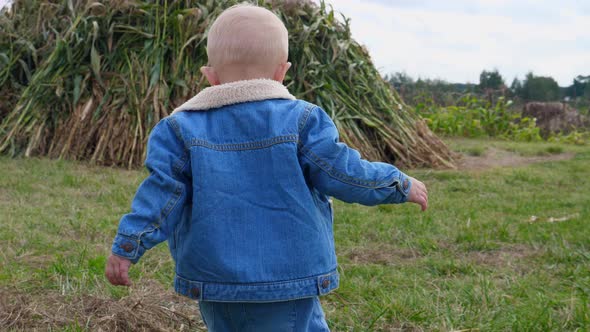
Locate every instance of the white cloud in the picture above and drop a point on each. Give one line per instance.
(456, 40)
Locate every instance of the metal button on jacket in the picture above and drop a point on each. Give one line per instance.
(195, 292)
(325, 283)
(127, 246)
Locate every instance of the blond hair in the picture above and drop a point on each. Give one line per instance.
(247, 35)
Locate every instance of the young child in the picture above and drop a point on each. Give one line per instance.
(239, 182)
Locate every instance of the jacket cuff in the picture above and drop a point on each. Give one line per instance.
(128, 247)
(402, 185)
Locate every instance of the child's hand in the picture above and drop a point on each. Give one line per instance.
(117, 271)
(418, 194)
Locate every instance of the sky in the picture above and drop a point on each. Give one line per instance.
(455, 40)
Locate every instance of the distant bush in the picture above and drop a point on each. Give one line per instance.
(473, 117)
(576, 137)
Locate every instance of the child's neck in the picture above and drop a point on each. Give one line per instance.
(242, 73)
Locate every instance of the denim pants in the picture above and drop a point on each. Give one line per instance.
(304, 315)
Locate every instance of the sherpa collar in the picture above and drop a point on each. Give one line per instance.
(236, 92)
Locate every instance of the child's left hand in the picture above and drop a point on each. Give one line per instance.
(418, 194)
(117, 271)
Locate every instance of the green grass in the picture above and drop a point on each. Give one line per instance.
(474, 260)
(477, 147)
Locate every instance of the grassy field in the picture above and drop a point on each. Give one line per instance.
(500, 248)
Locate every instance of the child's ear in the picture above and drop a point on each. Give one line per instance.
(211, 75)
(281, 72)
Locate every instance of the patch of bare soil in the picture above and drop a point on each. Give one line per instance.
(36, 261)
(4, 196)
(382, 255)
(149, 308)
(506, 257)
(494, 157)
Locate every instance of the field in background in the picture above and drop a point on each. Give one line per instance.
(500, 248)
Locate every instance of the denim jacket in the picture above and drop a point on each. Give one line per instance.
(239, 183)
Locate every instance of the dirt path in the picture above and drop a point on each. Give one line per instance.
(494, 157)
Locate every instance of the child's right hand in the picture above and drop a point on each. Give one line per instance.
(117, 270)
(418, 194)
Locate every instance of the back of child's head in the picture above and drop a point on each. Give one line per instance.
(247, 36)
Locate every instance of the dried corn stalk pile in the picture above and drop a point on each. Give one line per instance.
(88, 80)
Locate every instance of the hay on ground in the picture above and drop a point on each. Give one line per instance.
(149, 308)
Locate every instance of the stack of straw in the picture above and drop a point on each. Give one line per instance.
(88, 80)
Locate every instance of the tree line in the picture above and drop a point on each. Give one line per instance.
(491, 86)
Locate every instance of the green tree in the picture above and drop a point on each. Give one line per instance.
(490, 80)
(539, 88)
(516, 87)
(580, 87)
(399, 79)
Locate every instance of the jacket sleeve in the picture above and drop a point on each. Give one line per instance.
(337, 170)
(159, 200)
